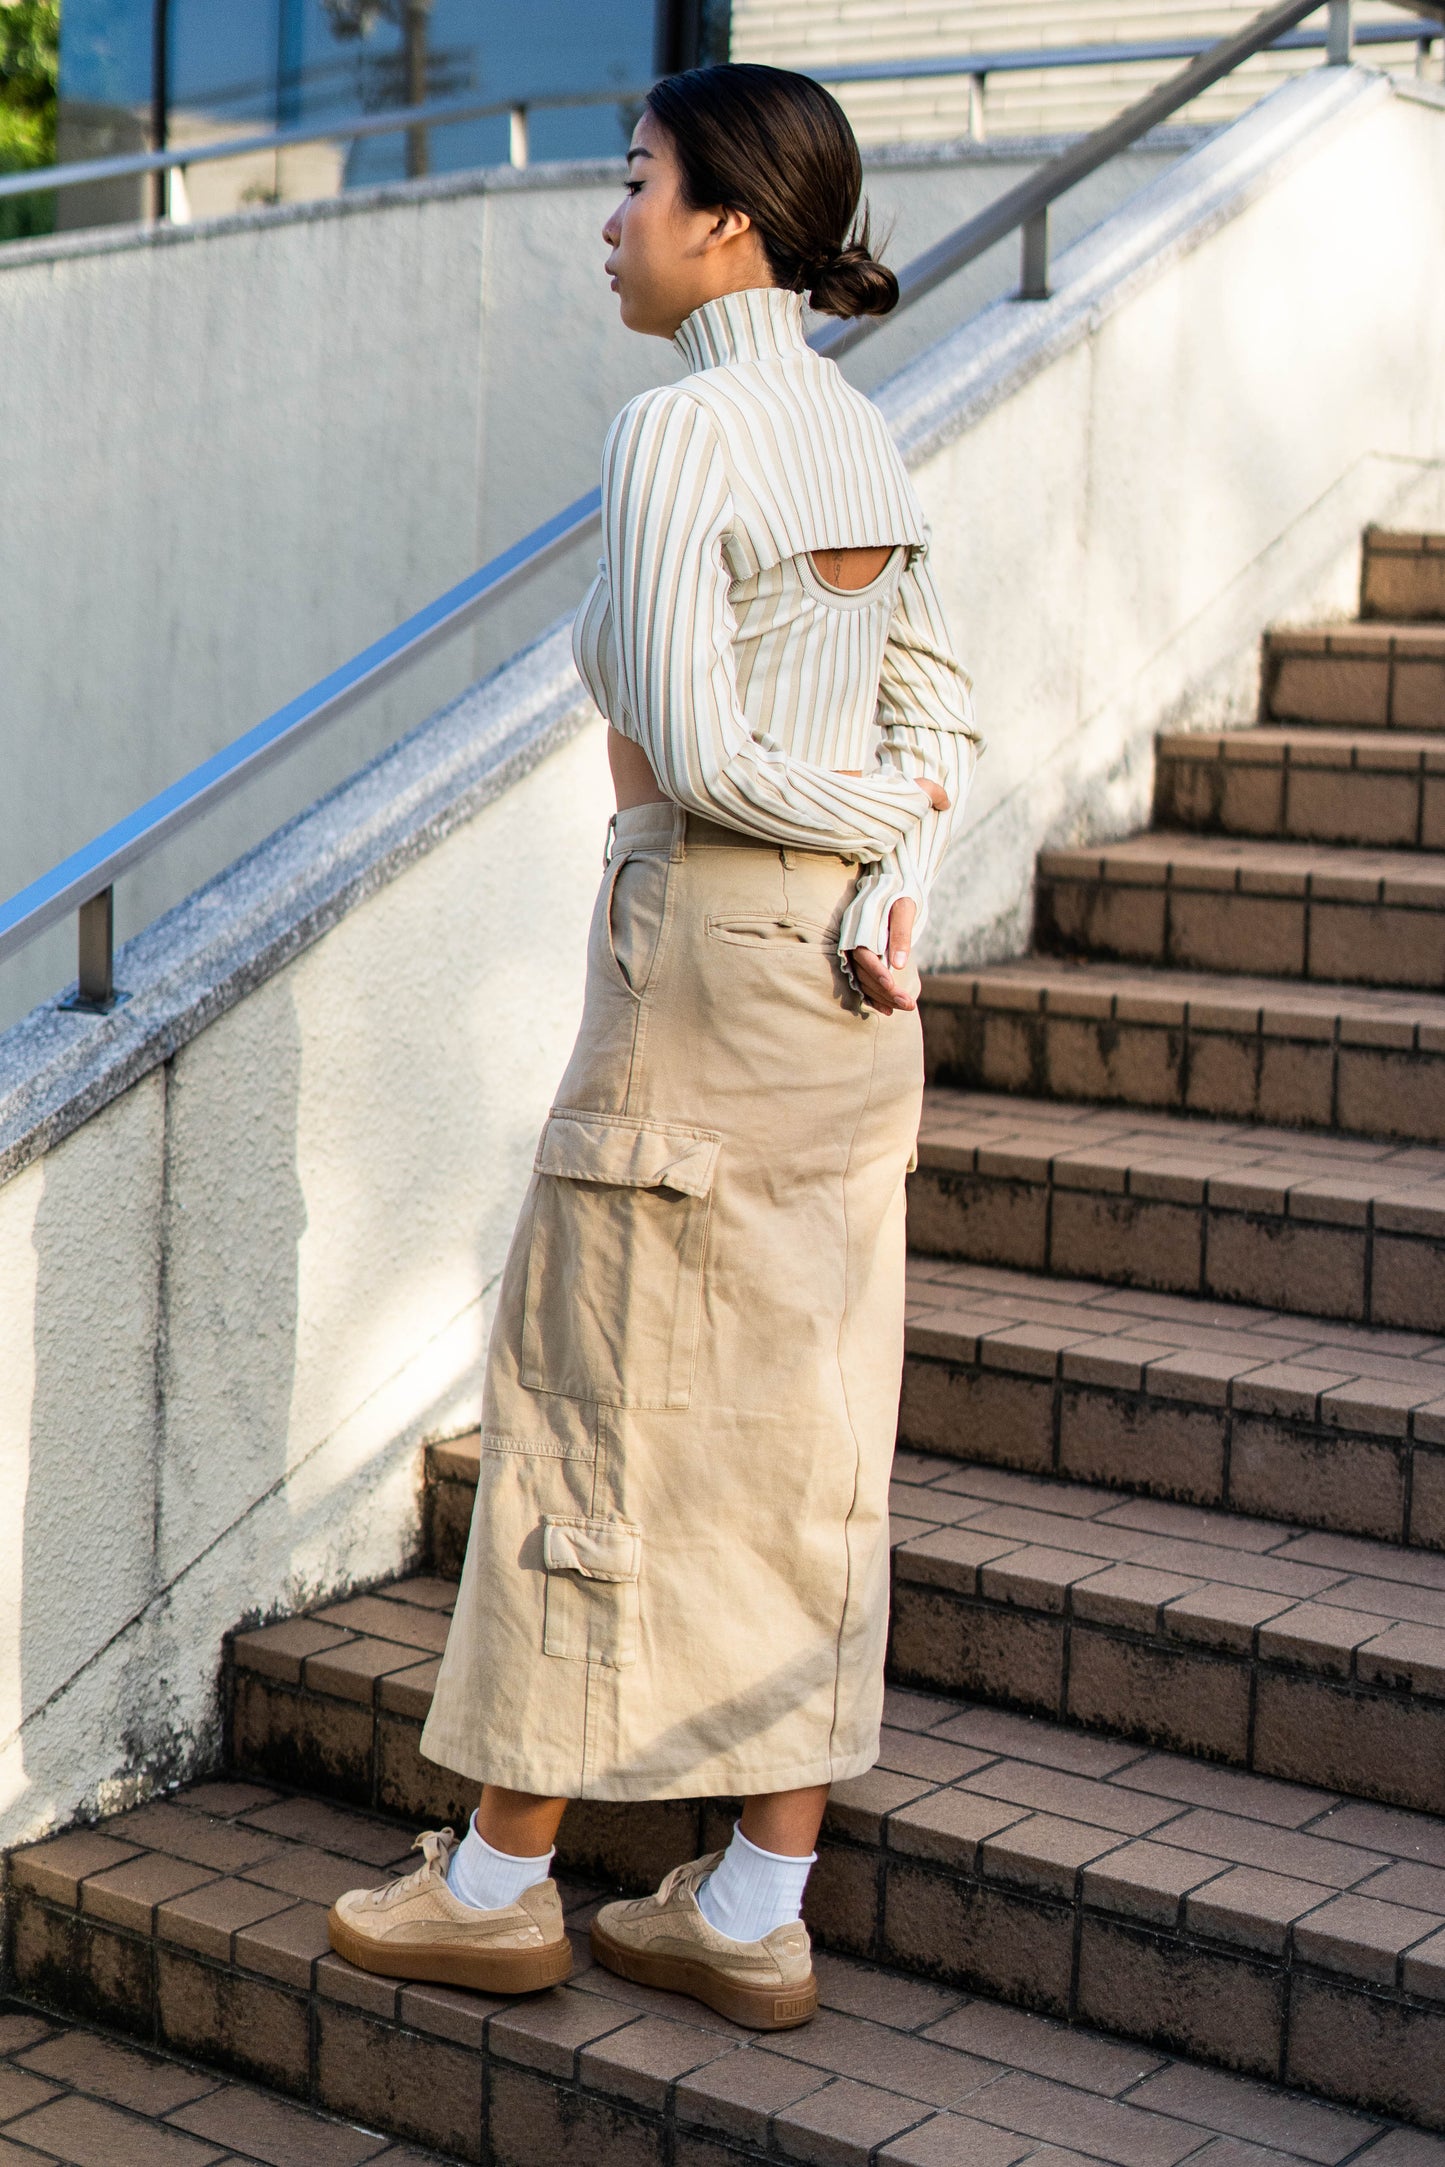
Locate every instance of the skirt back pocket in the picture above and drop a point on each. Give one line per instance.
(615, 1262)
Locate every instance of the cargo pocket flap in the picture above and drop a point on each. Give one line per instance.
(629, 1154)
(594, 1549)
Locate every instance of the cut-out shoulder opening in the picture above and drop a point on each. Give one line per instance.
(849, 571)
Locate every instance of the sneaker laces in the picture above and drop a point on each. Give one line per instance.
(436, 1846)
(691, 1874)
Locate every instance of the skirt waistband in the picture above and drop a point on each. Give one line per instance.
(670, 824)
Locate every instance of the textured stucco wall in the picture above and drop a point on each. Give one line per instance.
(252, 1219)
(250, 448)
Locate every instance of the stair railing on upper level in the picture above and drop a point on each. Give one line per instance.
(974, 68)
(85, 881)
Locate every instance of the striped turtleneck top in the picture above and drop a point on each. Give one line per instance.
(709, 637)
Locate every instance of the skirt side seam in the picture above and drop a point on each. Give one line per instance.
(843, 1321)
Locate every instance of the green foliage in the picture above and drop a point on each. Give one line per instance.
(29, 78)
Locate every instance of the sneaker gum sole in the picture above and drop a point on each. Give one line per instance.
(761, 2009)
(485, 1971)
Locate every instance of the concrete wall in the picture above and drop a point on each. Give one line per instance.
(243, 450)
(250, 1222)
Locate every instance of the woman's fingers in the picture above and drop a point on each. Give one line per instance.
(938, 797)
(900, 932)
(878, 982)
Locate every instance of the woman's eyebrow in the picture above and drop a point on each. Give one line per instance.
(638, 151)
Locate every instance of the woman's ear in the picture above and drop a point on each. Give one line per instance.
(729, 226)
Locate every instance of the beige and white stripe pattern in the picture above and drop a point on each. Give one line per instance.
(710, 639)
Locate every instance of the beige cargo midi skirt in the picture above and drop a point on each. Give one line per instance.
(676, 1582)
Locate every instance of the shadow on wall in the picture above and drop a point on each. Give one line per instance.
(133, 1476)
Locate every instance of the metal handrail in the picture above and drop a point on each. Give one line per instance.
(1029, 61)
(975, 66)
(79, 173)
(85, 880)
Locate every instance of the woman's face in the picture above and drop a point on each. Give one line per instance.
(665, 259)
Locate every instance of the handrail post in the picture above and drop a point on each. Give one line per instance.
(976, 123)
(95, 993)
(518, 147)
(1339, 38)
(1034, 279)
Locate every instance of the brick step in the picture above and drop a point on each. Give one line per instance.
(1275, 1050)
(1313, 1657)
(1319, 1226)
(1250, 1411)
(1378, 789)
(70, 2092)
(1272, 909)
(203, 1918)
(1018, 1856)
(1374, 676)
(1403, 575)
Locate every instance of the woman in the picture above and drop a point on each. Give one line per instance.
(677, 1578)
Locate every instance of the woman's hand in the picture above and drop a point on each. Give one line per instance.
(891, 981)
(938, 797)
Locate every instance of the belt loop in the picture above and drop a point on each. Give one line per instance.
(789, 857)
(608, 842)
(678, 850)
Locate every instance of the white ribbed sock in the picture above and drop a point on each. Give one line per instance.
(750, 1891)
(487, 1879)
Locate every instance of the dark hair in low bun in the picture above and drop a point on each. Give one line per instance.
(778, 146)
(852, 283)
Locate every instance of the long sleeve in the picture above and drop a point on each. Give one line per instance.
(926, 725)
(667, 510)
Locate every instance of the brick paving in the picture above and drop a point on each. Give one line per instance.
(1293, 1652)
(1377, 675)
(911, 2071)
(1403, 576)
(1268, 1051)
(1376, 789)
(71, 2094)
(1234, 903)
(1302, 1419)
(1320, 1225)
(1008, 1852)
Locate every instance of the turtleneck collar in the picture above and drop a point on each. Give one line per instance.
(762, 323)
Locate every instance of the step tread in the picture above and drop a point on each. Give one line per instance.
(1183, 1346)
(1185, 1159)
(1140, 993)
(1403, 542)
(1249, 865)
(75, 2093)
(1369, 638)
(1301, 744)
(1150, 1565)
(894, 2068)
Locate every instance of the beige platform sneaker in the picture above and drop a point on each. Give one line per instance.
(665, 1941)
(416, 1929)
